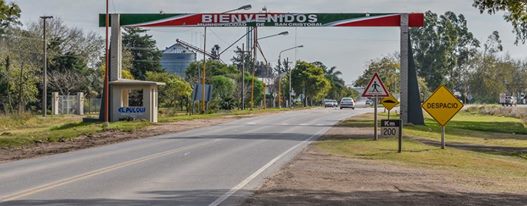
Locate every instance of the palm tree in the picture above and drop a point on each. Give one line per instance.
(337, 83)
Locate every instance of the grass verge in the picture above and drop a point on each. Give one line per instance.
(464, 128)
(508, 168)
(19, 131)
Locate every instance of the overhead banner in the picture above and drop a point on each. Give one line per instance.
(267, 20)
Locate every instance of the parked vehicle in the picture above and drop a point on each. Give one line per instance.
(347, 102)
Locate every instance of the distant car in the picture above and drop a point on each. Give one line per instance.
(506, 100)
(510, 101)
(330, 103)
(369, 102)
(347, 102)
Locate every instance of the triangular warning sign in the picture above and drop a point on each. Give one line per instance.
(375, 88)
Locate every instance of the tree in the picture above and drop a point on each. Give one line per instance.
(242, 56)
(309, 79)
(516, 14)
(5, 98)
(223, 92)
(146, 56)
(9, 15)
(493, 77)
(485, 81)
(66, 82)
(337, 83)
(443, 48)
(21, 69)
(493, 44)
(388, 69)
(175, 91)
(69, 47)
(338, 86)
(74, 57)
(213, 68)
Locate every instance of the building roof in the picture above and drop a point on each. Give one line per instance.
(133, 82)
(178, 49)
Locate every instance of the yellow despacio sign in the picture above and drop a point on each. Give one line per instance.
(442, 105)
(389, 102)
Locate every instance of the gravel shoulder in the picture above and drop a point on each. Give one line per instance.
(316, 177)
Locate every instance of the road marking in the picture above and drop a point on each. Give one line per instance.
(259, 171)
(65, 181)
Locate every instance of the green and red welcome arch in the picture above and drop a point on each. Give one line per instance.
(268, 20)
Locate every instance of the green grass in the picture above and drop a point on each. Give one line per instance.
(478, 129)
(421, 155)
(19, 131)
(465, 127)
(509, 165)
(63, 132)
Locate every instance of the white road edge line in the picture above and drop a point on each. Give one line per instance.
(246, 181)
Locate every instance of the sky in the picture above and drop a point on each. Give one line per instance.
(349, 49)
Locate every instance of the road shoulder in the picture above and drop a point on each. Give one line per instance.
(316, 177)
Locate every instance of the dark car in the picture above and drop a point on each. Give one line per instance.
(347, 102)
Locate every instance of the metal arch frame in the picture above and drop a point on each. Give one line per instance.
(402, 20)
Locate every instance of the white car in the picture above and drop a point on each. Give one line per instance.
(347, 102)
(330, 103)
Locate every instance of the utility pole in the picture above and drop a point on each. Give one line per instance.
(255, 39)
(279, 58)
(45, 73)
(203, 72)
(243, 77)
(106, 73)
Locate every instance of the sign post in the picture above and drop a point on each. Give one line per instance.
(442, 105)
(375, 89)
(375, 136)
(400, 141)
(442, 137)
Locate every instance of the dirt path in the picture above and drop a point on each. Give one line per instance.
(109, 137)
(317, 178)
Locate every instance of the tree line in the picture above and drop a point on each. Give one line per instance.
(447, 53)
(72, 56)
(76, 64)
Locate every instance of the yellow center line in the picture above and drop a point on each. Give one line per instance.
(65, 181)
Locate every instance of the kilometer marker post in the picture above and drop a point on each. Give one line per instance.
(400, 145)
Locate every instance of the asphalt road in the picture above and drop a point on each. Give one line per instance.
(216, 165)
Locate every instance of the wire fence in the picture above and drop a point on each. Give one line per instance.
(92, 105)
(68, 104)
